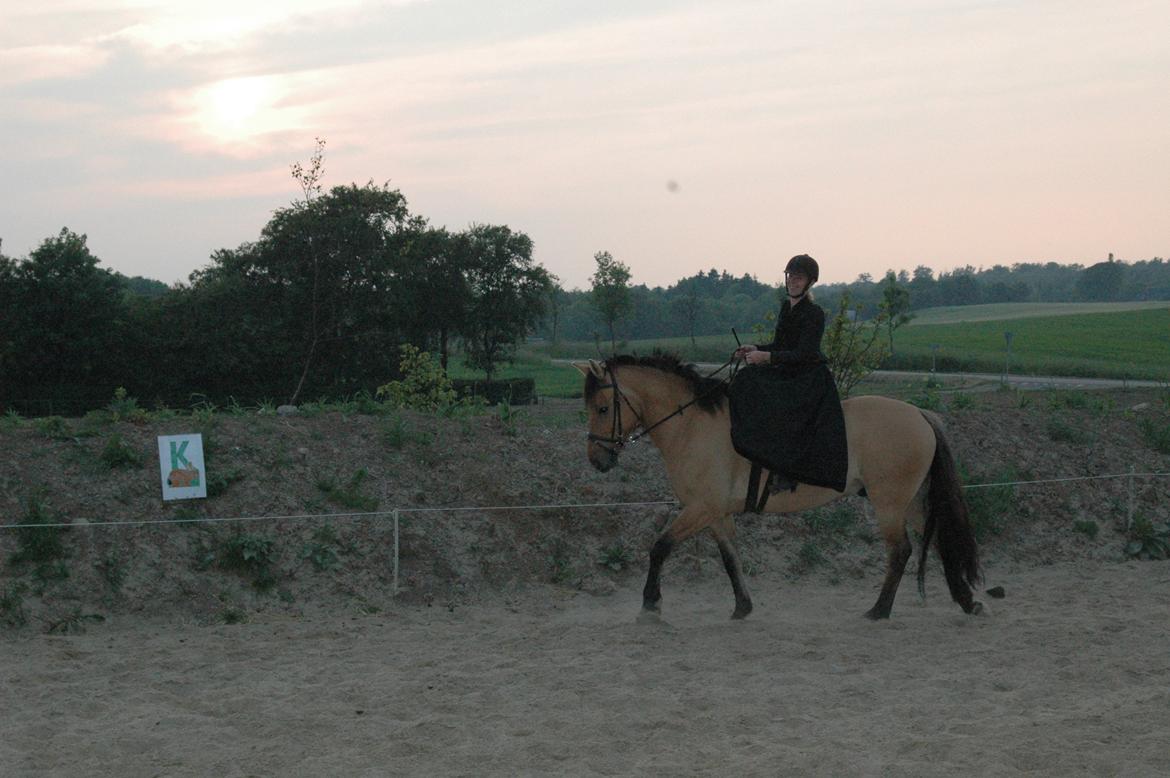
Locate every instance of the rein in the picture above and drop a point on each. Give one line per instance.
(619, 440)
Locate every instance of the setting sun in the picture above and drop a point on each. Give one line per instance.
(230, 108)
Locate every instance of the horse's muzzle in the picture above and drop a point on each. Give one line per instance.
(603, 458)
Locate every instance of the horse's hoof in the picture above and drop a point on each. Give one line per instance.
(873, 614)
(741, 613)
(647, 616)
(976, 608)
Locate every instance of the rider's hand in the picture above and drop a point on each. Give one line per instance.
(757, 357)
(744, 350)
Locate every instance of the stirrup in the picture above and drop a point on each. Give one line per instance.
(778, 482)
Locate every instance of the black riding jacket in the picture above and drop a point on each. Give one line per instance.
(798, 334)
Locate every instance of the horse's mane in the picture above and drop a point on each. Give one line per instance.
(709, 392)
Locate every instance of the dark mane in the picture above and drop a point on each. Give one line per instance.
(709, 392)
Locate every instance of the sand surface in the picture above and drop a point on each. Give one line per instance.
(1069, 675)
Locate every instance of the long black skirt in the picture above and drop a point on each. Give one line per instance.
(788, 418)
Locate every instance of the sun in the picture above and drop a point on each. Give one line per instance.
(235, 109)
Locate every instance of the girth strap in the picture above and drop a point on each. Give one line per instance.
(752, 503)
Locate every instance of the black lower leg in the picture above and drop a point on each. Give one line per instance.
(895, 566)
(652, 594)
(743, 601)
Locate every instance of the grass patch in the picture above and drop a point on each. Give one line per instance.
(1086, 527)
(1061, 431)
(1156, 435)
(41, 548)
(349, 494)
(118, 453)
(251, 555)
(990, 507)
(1148, 540)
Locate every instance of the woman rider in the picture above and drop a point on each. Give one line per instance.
(785, 411)
(800, 325)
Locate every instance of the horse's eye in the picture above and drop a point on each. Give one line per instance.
(602, 410)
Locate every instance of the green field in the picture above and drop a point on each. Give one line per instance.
(954, 314)
(1106, 340)
(1124, 344)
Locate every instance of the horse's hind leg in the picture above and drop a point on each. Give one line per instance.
(724, 532)
(898, 550)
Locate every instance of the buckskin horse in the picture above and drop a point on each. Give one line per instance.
(898, 458)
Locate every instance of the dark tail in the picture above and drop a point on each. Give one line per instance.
(946, 513)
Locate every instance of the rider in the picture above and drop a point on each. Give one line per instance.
(784, 402)
(800, 325)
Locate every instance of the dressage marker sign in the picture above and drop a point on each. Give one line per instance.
(180, 462)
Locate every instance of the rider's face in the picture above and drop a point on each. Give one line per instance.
(796, 283)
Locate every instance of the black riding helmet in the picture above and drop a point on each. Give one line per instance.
(803, 263)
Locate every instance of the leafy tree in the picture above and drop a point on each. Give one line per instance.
(508, 293)
(611, 291)
(853, 346)
(896, 305)
(62, 320)
(1101, 282)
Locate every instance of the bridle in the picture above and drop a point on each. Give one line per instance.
(617, 438)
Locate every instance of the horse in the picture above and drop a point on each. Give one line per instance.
(899, 458)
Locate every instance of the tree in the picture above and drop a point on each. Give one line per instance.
(314, 297)
(611, 291)
(508, 293)
(896, 305)
(63, 317)
(1101, 282)
(853, 346)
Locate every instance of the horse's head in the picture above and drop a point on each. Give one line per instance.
(611, 416)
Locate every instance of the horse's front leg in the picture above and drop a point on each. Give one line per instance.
(688, 522)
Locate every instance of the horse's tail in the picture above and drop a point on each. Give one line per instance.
(946, 513)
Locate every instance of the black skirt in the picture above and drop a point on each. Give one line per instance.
(788, 418)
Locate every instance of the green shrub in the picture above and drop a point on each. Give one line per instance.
(1156, 435)
(1148, 540)
(322, 550)
(252, 555)
(125, 408)
(1061, 431)
(12, 613)
(1086, 527)
(962, 402)
(118, 453)
(424, 386)
(41, 547)
(990, 507)
(54, 427)
(615, 557)
(349, 495)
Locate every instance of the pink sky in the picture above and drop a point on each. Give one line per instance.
(871, 135)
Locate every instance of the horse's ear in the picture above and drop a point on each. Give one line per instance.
(583, 367)
(596, 369)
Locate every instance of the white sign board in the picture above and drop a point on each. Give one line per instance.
(180, 463)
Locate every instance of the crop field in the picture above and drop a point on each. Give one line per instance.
(1122, 340)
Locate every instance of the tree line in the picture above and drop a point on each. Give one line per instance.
(318, 306)
(711, 302)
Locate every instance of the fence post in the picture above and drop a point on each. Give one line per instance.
(1129, 509)
(395, 552)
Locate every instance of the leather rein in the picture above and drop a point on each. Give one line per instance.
(620, 440)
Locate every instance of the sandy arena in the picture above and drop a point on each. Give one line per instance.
(1068, 675)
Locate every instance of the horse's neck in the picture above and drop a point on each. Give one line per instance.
(662, 394)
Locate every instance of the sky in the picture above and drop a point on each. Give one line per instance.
(678, 136)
